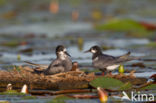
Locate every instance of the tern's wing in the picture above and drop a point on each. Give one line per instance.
(104, 61)
(126, 57)
(55, 67)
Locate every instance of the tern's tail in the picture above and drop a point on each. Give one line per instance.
(32, 63)
(127, 57)
(38, 65)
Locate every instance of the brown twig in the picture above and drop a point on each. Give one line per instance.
(144, 85)
(85, 96)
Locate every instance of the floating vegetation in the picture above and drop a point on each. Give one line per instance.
(29, 97)
(110, 83)
(25, 75)
(10, 44)
(11, 92)
(134, 28)
(151, 44)
(149, 87)
(60, 99)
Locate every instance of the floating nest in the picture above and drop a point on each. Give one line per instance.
(68, 80)
(25, 75)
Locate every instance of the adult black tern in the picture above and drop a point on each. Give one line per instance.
(106, 62)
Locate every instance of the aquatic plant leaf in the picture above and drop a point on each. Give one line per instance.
(120, 25)
(109, 83)
(29, 97)
(10, 44)
(126, 86)
(11, 92)
(60, 99)
(3, 2)
(151, 44)
(134, 28)
(149, 87)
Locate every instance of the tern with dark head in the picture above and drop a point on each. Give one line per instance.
(62, 63)
(106, 62)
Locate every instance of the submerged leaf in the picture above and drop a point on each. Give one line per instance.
(60, 99)
(11, 92)
(29, 97)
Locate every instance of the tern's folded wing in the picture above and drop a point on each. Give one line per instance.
(55, 67)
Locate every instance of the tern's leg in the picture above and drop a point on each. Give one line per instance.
(110, 73)
(103, 73)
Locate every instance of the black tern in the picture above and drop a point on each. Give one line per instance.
(106, 62)
(62, 63)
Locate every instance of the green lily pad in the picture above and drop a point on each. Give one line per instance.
(110, 83)
(149, 87)
(121, 25)
(126, 86)
(134, 28)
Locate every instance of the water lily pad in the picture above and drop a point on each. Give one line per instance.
(120, 25)
(110, 83)
(134, 28)
(126, 86)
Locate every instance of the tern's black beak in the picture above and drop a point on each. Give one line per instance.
(67, 53)
(87, 51)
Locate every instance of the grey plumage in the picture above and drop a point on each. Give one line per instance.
(62, 63)
(58, 66)
(107, 62)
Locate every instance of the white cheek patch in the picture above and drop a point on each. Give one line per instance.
(65, 50)
(96, 59)
(93, 51)
(62, 55)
